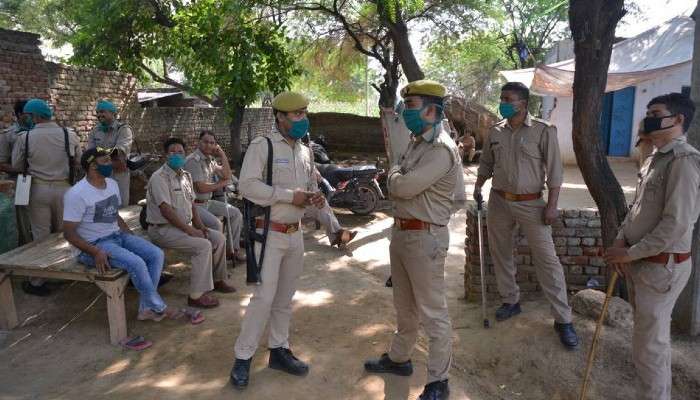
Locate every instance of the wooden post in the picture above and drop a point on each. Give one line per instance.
(8, 312)
(116, 312)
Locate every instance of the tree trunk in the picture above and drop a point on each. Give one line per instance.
(387, 89)
(235, 132)
(409, 63)
(592, 25)
(687, 310)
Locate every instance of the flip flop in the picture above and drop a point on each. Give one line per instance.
(196, 316)
(150, 315)
(136, 343)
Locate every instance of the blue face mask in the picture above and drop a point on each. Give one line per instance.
(104, 126)
(299, 128)
(507, 110)
(176, 161)
(415, 123)
(105, 170)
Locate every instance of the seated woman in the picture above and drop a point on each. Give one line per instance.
(92, 224)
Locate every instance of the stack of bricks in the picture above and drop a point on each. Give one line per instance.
(578, 243)
(348, 132)
(23, 72)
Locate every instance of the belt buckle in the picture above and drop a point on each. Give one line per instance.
(511, 196)
(292, 228)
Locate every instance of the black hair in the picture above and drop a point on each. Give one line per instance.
(677, 103)
(171, 141)
(90, 155)
(19, 107)
(519, 88)
(206, 132)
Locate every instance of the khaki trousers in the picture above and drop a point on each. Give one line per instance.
(501, 220)
(45, 211)
(46, 207)
(326, 218)
(234, 219)
(272, 299)
(418, 277)
(124, 181)
(208, 256)
(656, 289)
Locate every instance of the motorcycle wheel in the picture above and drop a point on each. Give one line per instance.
(368, 200)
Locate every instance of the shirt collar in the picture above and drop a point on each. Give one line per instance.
(277, 137)
(171, 172)
(527, 122)
(672, 144)
(202, 155)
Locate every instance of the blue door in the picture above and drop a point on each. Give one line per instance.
(621, 122)
(605, 112)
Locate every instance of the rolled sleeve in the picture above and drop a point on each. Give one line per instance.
(432, 166)
(678, 216)
(555, 170)
(125, 138)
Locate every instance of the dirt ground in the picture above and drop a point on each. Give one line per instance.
(342, 315)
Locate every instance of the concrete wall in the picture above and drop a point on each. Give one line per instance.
(561, 115)
(578, 243)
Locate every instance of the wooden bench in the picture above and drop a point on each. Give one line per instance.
(51, 258)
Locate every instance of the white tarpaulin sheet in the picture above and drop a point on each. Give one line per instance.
(639, 59)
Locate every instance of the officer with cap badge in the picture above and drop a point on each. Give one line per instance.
(293, 188)
(49, 153)
(113, 134)
(422, 188)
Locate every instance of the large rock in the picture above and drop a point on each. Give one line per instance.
(589, 303)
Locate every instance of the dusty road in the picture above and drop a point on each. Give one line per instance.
(342, 315)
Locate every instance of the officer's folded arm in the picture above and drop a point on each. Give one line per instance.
(171, 216)
(433, 165)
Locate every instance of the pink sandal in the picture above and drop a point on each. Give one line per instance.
(136, 343)
(196, 316)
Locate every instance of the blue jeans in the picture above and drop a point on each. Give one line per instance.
(140, 258)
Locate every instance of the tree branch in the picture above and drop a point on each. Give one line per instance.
(176, 84)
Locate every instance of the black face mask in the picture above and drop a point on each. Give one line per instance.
(652, 124)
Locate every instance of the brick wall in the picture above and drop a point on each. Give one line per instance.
(74, 92)
(151, 126)
(348, 132)
(23, 72)
(578, 243)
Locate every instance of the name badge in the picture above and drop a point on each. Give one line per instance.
(281, 161)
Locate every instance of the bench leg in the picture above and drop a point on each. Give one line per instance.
(8, 312)
(116, 311)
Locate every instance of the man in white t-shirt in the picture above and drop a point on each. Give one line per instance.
(92, 224)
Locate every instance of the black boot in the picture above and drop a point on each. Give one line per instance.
(506, 311)
(384, 364)
(283, 360)
(438, 390)
(240, 373)
(567, 335)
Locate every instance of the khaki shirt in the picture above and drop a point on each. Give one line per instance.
(202, 168)
(47, 152)
(291, 169)
(519, 161)
(423, 186)
(172, 188)
(118, 136)
(666, 204)
(7, 142)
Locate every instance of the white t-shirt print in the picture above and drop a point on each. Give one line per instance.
(95, 209)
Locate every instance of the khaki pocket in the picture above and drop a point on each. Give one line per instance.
(531, 150)
(656, 276)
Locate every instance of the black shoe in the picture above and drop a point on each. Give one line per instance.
(240, 373)
(384, 364)
(567, 334)
(506, 311)
(438, 390)
(388, 283)
(41, 291)
(283, 360)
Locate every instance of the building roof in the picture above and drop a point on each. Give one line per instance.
(645, 57)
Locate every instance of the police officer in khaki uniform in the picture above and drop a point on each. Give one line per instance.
(422, 188)
(111, 133)
(7, 142)
(293, 188)
(174, 223)
(654, 241)
(521, 154)
(203, 168)
(44, 150)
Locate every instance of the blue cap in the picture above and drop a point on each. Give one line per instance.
(39, 107)
(105, 105)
